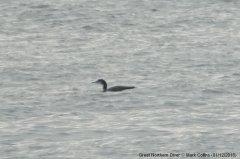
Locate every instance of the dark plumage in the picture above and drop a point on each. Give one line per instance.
(112, 89)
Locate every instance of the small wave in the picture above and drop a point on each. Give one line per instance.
(87, 27)
(40, 6)
(213, 91)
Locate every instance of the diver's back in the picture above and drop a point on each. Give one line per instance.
(119, 88)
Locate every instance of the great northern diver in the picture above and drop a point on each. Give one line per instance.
(112, 89)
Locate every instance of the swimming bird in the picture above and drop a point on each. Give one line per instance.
(112, 89)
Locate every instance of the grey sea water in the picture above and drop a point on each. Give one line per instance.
(181, 55)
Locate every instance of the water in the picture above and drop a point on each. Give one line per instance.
(182, 57)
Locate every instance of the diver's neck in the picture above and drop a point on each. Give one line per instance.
(104, 88)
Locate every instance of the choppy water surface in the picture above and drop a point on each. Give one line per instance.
(183, 57)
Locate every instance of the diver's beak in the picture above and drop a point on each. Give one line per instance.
(94, 82)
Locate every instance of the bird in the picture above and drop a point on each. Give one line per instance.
(112, 89)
